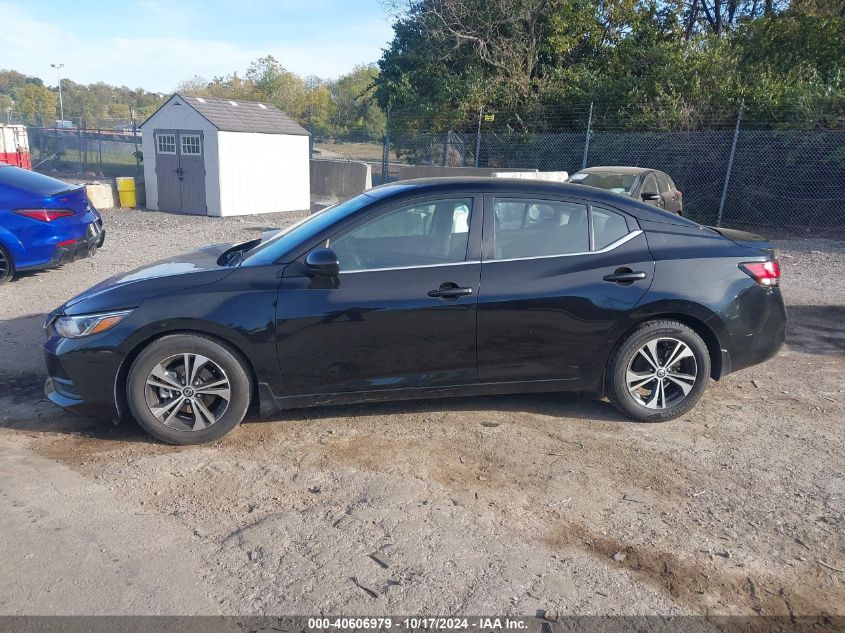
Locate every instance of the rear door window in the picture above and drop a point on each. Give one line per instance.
(525, 227)
(663, 182)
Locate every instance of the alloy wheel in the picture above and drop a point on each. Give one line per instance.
(187, 392)
(661, 373)
(5, 266)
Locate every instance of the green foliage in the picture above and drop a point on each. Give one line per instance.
(92, 102)
(327, 108)
(644, 63)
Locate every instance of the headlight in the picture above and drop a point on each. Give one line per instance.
(79, 326)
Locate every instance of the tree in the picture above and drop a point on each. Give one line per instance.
(36, 99)
(275, 84)
(356, 108)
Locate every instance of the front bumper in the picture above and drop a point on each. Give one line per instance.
(78, 380)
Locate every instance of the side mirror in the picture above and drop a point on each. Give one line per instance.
(322, 261)
(650, 197)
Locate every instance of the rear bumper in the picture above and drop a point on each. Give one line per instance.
(95, 236)
(755, 325)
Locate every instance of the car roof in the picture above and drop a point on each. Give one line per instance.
(522, 186)
(616, 169)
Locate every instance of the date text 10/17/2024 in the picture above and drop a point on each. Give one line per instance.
(421, 622)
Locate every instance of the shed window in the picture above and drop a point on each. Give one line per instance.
(166, 143)
(191, 145)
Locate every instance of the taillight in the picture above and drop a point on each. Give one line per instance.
(45, 215)
(764, 273)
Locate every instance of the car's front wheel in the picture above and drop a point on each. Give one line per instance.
(659, 371)
(188, 389)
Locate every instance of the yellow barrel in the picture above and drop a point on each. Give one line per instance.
(126, 192)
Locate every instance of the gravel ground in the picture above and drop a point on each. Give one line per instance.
(497, 504)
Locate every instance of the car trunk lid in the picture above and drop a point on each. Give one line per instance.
(749, 240)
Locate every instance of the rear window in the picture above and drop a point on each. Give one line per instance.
(617, 183)
(31, 182)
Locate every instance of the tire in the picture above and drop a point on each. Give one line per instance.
(7, 266)
(645, 401)
(200, 412)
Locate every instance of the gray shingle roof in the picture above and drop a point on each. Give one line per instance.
(244, 116)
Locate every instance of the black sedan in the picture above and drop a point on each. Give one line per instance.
(419, 289)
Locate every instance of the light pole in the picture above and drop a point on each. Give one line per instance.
(58, 68)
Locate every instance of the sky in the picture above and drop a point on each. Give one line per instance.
(155, 44)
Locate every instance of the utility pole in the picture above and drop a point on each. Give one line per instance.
(58, 68)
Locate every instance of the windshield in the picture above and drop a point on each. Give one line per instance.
(615, 182)
(274, 249)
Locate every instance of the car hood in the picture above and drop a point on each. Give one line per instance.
(130, 289)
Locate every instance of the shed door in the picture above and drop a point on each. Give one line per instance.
(167, 172)
(180, 171)
(192, 172)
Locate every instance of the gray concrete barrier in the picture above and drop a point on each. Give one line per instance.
(411, 172)
(340, 179)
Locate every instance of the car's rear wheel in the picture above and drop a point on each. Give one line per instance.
(7, 266)
(188, 389)
(659, 371)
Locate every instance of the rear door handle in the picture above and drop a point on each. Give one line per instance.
(625, 276)
(449, 291)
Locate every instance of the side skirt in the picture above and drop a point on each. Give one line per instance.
(270, 403)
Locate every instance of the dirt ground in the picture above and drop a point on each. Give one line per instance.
(503, 505)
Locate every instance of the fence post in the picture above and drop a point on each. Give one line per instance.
(730, 164)
(100, 149)
(446, 148)
(80, 133)
(587, 138)
(478, 137)
(385, 148)
(310, 134)
(135, 152)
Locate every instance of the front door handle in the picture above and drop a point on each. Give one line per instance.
(625, 276)
(449, 291)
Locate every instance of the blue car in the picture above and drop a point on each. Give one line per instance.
(44, 222)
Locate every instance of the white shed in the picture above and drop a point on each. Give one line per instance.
(210, 156)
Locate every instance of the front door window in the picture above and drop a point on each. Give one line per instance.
(426, 233)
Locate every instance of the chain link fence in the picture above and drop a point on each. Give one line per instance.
(768, 176)
(772, 176)
(84, 147)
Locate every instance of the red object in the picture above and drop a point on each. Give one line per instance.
(17, 159)
(45, 215)
(14, 146)
(66, 243)
(764, 273)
